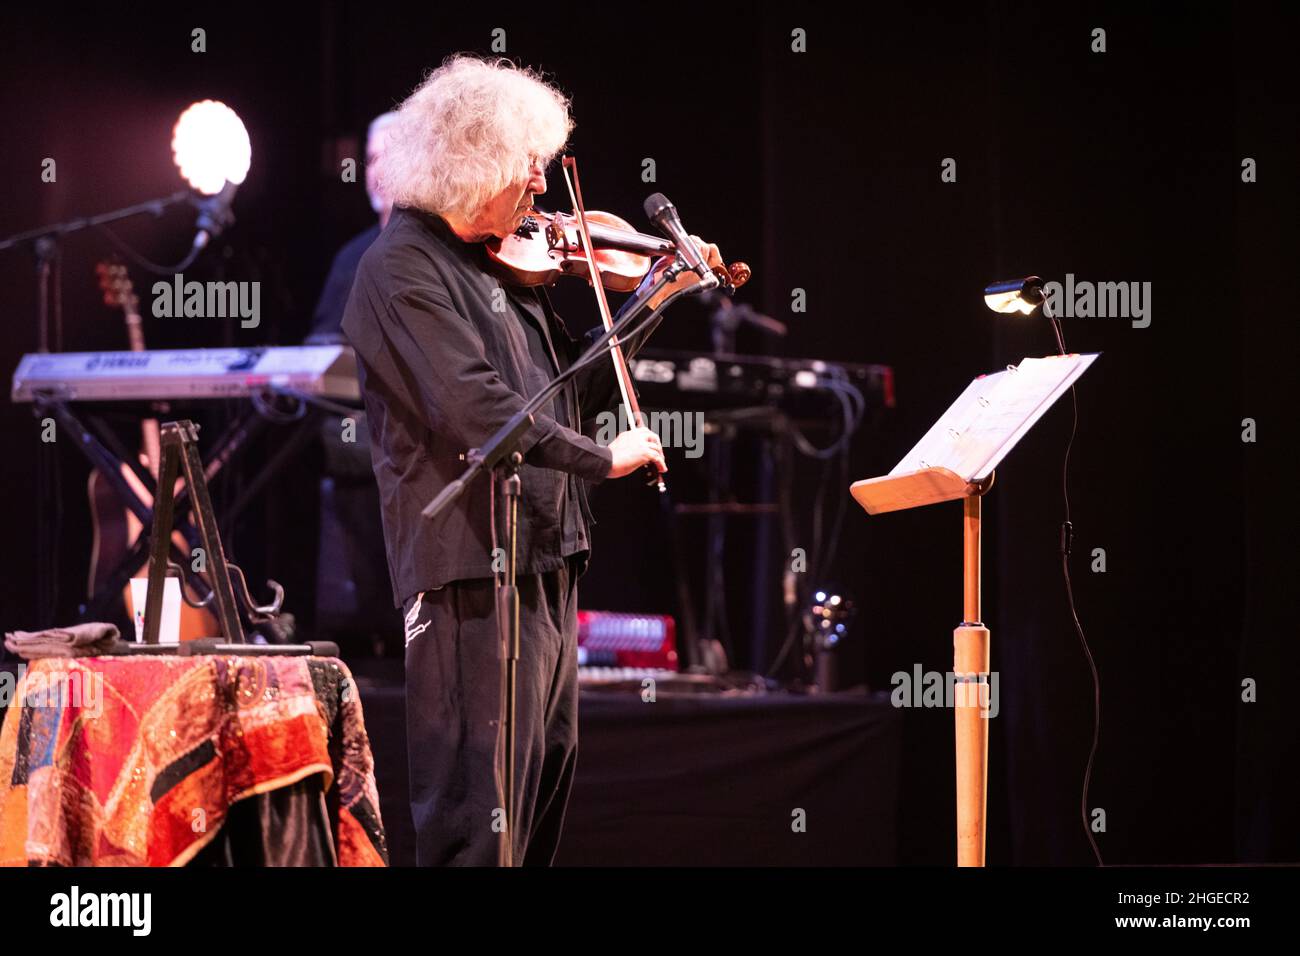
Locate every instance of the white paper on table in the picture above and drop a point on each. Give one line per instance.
(170, 630)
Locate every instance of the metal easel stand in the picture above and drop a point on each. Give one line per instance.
(180, 451)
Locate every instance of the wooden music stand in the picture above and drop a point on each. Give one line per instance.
(955, 460)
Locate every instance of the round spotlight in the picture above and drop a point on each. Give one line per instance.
(210, 146)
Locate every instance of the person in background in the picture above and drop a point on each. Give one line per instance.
(334, 296)
(352, 601)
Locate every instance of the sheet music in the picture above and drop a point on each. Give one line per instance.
(993, 413)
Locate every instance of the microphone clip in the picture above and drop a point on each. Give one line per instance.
(215, 212)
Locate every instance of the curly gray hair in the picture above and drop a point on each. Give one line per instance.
(469, 130)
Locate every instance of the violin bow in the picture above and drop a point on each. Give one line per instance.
(570, 165)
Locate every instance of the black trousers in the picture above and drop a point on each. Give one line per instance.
(453, 705)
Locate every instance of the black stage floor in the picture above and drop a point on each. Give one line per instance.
(698, 779)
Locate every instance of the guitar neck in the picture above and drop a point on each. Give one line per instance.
(150, 429)
(115, 283)
(135, 331)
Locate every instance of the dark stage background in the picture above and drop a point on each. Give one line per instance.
(822, 169)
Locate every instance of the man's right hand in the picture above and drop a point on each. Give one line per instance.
(634, 448)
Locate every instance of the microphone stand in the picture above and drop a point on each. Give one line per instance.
(45, 241)
(500, 453)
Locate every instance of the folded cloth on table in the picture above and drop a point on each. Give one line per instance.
(79, 640)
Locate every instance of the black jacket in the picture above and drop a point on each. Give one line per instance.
(441, 371)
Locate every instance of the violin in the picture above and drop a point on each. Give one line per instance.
(549, 245)
(602, 249)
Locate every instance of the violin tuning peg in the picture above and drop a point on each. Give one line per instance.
(739, 273)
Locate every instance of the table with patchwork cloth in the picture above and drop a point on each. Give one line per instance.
(208, 760)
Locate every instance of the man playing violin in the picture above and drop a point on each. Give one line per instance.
(447, 352)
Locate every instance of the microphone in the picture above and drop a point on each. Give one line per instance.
(664, 216)
(214, 215)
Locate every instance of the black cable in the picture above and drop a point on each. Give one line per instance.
(820, 559)
(1067, 534)
(1067, 538)
(854, 406)
(717, 625)
(505, 848)
(147, 264)
(326, 404)
(837, 525)
(791, 633)
(263, 407)
(852, 410)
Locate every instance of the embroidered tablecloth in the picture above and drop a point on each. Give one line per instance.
(136, 761)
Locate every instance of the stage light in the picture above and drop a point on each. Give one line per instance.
(827, 615)
(826, 621)
(1015, 295)
(210, 146)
